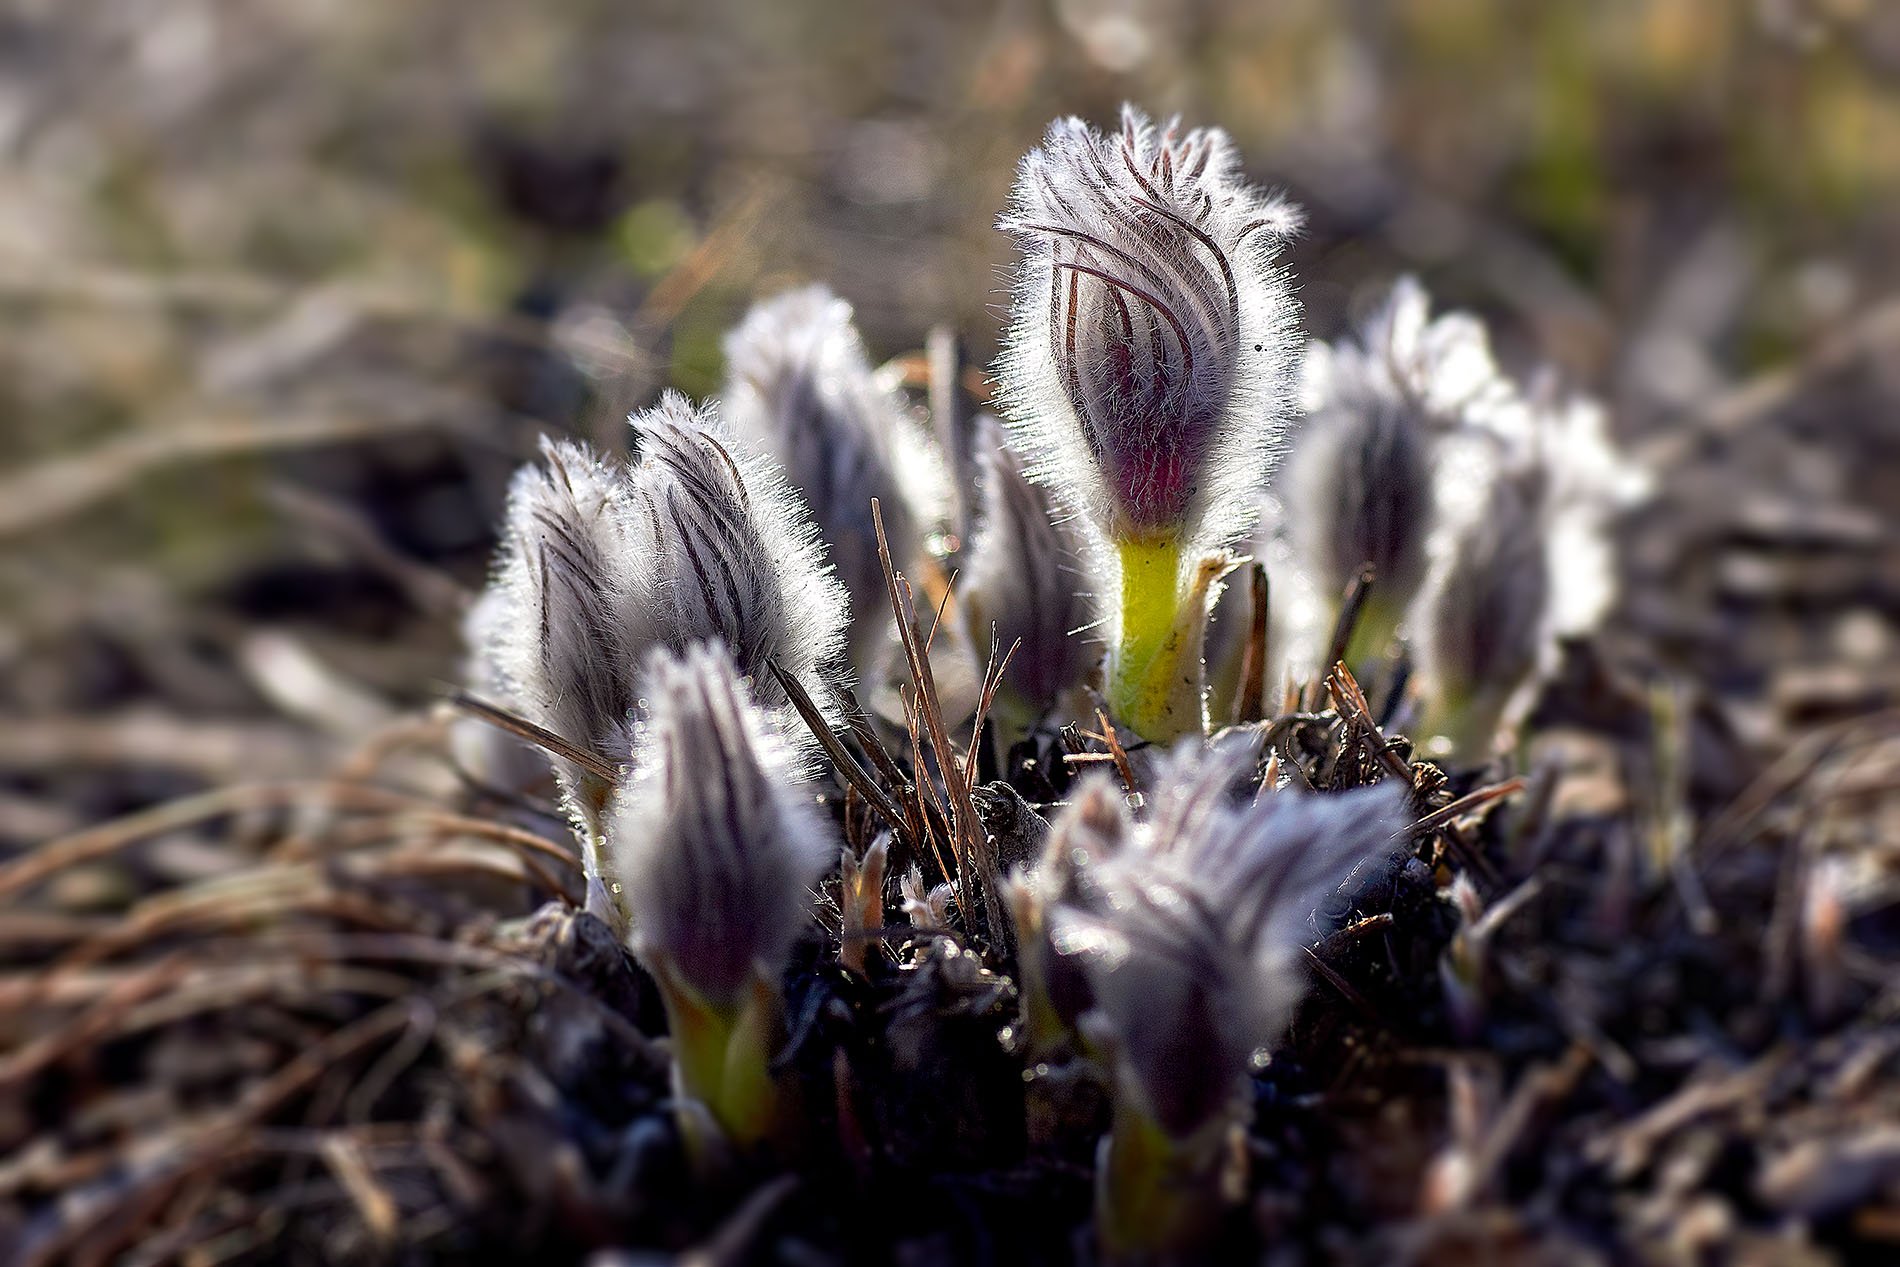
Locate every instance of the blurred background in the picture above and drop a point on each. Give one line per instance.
(288, 287)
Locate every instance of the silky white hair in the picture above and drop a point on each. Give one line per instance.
(1147, 370)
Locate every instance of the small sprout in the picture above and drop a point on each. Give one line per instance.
(734, 554)
(925, 908)
(1191, 949)
(1024, 579)
(717, 845)
(861, 901)
(800, 388)
(1359, 482)
(1147, 377)
(1464, 968)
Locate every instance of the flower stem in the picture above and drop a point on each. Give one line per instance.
(1158, 1199)
(722, 1061)
(1155, 673)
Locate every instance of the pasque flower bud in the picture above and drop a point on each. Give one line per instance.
(1147, 377)
(716, 848)
(568, 622)
(800, 388)
(1190, 943)
(732, 554)
(1359, 481)
(1024, 578)
(1523, 559)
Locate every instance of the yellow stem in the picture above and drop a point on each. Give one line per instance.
(1154, 669)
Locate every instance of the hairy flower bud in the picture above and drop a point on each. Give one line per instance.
(1486, 612)
(1150, 349)
(1093, 828)
(716, 850)
(1190, 951)
(800, 388)
(1522, 564)
(1024, 576)
(1360, 478)
(569, 624)
(1147, 377)
(733, 553)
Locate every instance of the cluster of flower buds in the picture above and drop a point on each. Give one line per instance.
(602, 564)
(646, 617)
(1147, 380)
(1480, 508)
(1169, 950)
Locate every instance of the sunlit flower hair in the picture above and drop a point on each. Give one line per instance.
(800, 388)
(731, 553)
(1148, 362)
(1024, 576)
(1192, 950)
(712, 839)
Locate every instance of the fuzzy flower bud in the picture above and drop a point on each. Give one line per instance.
(1024, 577)
(1147, 375)
(1527, 562)
(1360, 478)
(566, 623)
(716, 849)
(1486, 612)
(800, 388)
(1093, 828)
(733, 556)
(1192, 960)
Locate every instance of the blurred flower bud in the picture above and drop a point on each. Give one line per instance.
(800, 388)
(1191, 955)
(1359, 482)
(1024, 577)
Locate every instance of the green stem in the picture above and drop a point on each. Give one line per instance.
(1158, 1198)
(1155, 674)
(722, 1060)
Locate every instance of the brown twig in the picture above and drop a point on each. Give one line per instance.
(968, 841)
